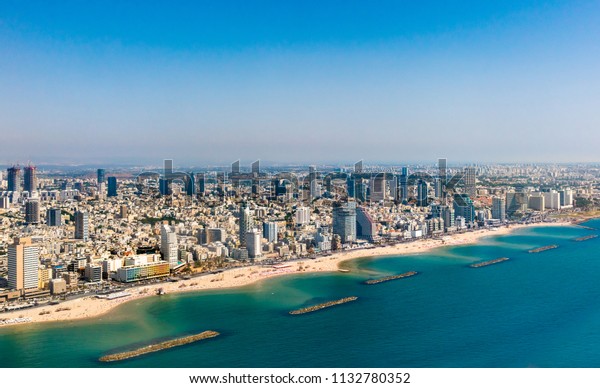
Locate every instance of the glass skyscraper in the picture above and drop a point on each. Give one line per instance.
(403, 182)
(270, 231)
(463, 207)
(422, 193)
(101, 175)
(112, 186)
(53, 217)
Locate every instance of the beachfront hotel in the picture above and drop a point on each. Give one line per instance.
(23, 262)
(135, 273)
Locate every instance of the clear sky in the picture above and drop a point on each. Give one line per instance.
(299, 81)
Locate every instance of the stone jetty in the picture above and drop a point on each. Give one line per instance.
(160, 346)
(325, 305)
(392, 277)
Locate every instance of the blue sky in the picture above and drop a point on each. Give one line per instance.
(337, 81)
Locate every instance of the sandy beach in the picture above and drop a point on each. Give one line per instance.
(89, 307)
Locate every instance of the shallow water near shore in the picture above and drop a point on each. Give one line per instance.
(532, 310)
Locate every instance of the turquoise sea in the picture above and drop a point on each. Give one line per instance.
(535, 310)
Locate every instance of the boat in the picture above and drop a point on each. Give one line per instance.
(343, 270)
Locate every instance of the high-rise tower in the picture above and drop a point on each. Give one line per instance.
(101, 175)
(499, 208)
(14, 178)
(443, 178)
(23, 262)
(270, 231)
(112, 186)
(32, 211)
(81, 226)
(253, 243)
(245, 223)
(168, 245)
(422, 189)
(30, 179)
(53, 217)
(344, 221)
(403, 182)
(469, 179)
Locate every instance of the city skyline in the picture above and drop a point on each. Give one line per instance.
(246, 165)
(299, 83)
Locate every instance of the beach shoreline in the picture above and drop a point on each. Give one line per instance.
(92, 307)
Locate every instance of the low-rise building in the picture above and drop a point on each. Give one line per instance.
(58, 286)
(93, 273)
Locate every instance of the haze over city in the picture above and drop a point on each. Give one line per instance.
(299, 82)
